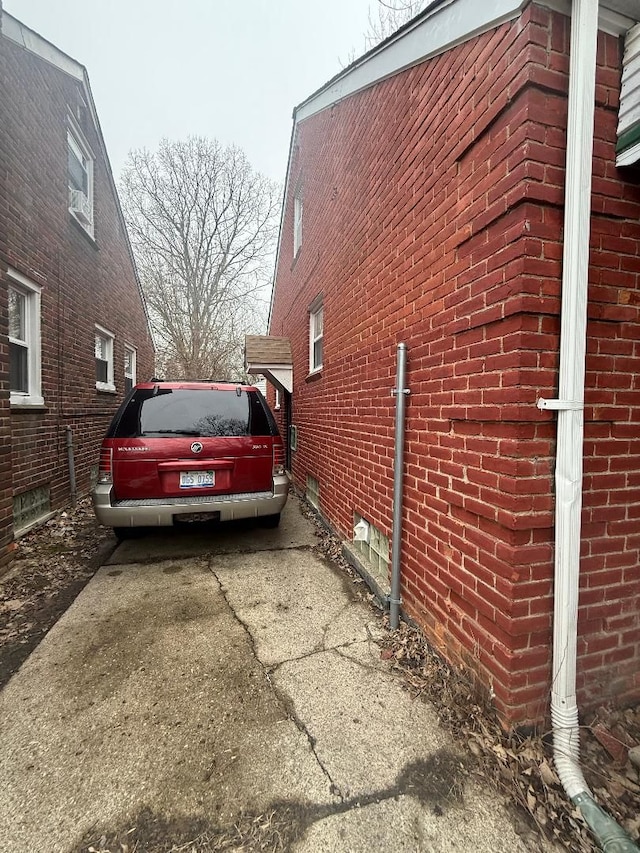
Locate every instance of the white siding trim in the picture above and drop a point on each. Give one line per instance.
(629, 114)
(629, 156)
(15, 30)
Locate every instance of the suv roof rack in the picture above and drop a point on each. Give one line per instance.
(210, 381)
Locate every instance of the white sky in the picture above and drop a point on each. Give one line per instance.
(226, 69)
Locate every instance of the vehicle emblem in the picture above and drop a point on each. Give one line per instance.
(196, 447)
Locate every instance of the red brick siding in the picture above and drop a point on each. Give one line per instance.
(433, 215)
(5, 439)
(84, 281)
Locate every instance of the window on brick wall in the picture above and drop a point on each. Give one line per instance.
(104, 359)
(129, 368)
(297, 223)
(24, 341)
(80, 179)
(313, 491)
(316, 333)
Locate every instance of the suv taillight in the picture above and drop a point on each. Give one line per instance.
(278, 457)
(105, 470)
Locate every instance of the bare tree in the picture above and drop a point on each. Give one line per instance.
(203, 226)
(392, 14)
(389, 16)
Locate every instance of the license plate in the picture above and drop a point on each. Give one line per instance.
(196, 479)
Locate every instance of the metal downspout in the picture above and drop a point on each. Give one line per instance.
(72, 466)
(570, 428)
(400, 393)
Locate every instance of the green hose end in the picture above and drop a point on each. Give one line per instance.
(608, 833)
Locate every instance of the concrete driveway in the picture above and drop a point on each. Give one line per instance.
(227, 688)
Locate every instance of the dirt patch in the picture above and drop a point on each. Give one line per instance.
(273, 831)
(50, 568)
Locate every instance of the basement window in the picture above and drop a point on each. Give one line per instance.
(374, 550)
(313, 491)
(30, 507)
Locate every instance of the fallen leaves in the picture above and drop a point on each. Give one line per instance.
(521, 765)
(50, 566)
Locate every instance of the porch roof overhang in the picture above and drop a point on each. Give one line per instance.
(271, 357)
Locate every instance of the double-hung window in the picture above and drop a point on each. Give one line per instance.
(80, 179)
(316, 328)
(104, 360)
(297, 223)
(24, 341)
(129, 368)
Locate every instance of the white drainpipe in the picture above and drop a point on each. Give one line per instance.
(570, 430)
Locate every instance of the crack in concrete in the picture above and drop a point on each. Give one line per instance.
(268, 550)
(370, 667)
(283, 698)
(330, 623)
(272, 668)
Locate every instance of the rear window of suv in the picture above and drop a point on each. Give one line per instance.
(157, 412)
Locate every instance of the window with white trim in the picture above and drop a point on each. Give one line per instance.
(129, 368)
(297, 223)
(104, 359)
(24, 341)
(80, 180)
(316, 326)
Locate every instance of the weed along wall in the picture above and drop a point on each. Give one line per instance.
(432, 207)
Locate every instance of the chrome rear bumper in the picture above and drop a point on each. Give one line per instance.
(160, 512)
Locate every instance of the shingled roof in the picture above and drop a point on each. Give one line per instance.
(267, 350)
(271, 357)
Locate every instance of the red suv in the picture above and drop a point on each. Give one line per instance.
(190, 451)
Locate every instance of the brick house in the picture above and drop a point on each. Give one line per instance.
(425, 203)
(73, 327)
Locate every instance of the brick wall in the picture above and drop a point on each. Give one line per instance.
(5, 440)
(6, 497)
(433, 215)
(84, 281)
